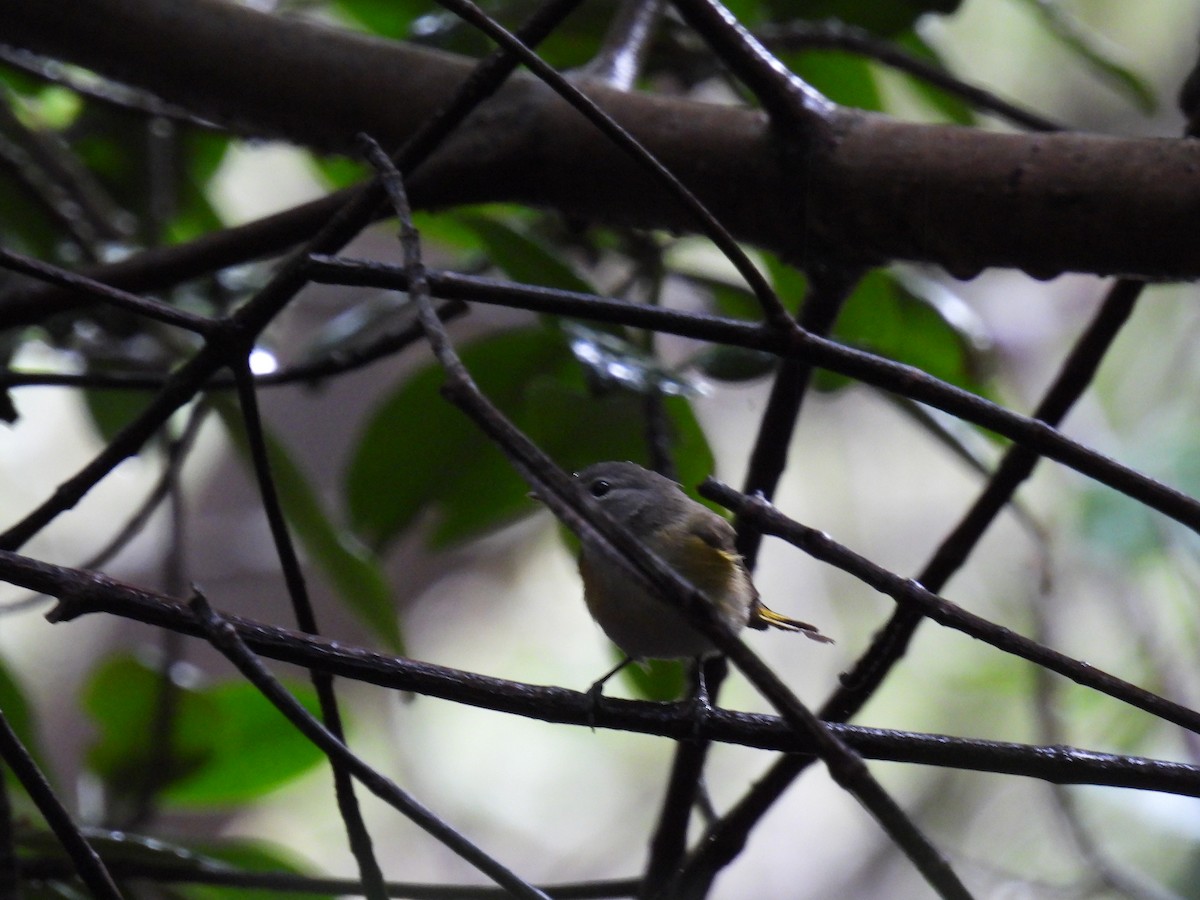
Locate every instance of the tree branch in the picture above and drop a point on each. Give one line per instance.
(83, 593)
(960, 197)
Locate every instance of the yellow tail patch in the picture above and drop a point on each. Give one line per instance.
(765, 617)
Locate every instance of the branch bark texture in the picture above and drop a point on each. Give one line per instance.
(872, 189)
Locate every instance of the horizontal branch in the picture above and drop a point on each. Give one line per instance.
(190, 872)
(963, 198)
(795, 343)
(81, 593)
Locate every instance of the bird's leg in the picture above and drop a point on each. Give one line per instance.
(596, 691)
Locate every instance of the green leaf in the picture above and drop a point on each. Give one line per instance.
(26, 225)
(734, 364)
(57, 107)
(843, 77)
(1094, 52)
(340, 171)
(113, 410)
(201, 154)
(113, 145)
(748, 12)
(352, 569)
(386, 18)
(228, 745)
(521, 257)
(255, 749)
(20, 81)
(656, 679)
(918, 323)
(532, 377)
(415, 444)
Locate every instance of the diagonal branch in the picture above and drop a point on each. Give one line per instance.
(225, 638)
(86, 861)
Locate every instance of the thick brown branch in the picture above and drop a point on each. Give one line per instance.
(960, 197)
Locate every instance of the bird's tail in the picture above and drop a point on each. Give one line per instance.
(764, 617)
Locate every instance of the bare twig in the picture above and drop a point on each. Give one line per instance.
(290, 882)
(1016, 466)
(356, 828)
(792, 104)
(908, 592)
(346, 220)
(877, 371)
(84, 859)
(800, 35)
(109, 93)
(829, 290)
(222, 635)
(151, 309)
(336, 363)
(162, 488)
(623, 50)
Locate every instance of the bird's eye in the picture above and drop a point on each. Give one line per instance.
(599, 488)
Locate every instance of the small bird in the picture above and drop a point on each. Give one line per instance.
(694, 541)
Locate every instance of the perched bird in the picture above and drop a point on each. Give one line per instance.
(689, 537)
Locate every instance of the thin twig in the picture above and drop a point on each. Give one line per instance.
(877, 371)
(161, 490)
(289, 561)
(49, 869)
(668, 844)
(799, 35)
(143, 306)
(1103, 870)
(337, 362)
(162, 740)
(623, 51)
(88, 202)
(84, 859)
(224, 637)
(791, 103)
(727, 837)
(829, 289)
(110, 93)
(1017, 465)
(767, 461)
